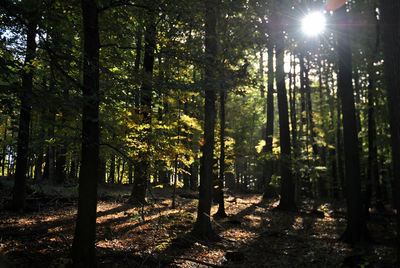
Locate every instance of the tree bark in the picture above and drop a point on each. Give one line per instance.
(221, 202)
(24, 120)
(391, 45)
(83, 246)
(269, 129)
(287, 201)
(356, 225)
(202, 226)
(141, 174)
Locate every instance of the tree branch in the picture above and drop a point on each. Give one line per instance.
(114, 4)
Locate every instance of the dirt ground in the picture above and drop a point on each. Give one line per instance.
(254, 235)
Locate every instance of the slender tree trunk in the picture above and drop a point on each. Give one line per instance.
(293, 117)
(287, 201)
(356, 225)
(391, 44)
(373, 168)
(202, 226)
(83, 247)
(269, 130)
(50, 163)
(60, 164)
(221, 202)
(24, 120)
(111, 177)
(3, 159)
(141, 174)
(333, 149)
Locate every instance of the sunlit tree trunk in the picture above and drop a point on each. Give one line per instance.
(83, 246)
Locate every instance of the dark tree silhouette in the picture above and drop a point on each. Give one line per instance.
(269, 130)
(356, 225)
(202, 226)
(83, 246)
(391, 45)
(25, 115)
(287, 201)
(141, 169)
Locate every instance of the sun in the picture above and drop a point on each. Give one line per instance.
(313, 24)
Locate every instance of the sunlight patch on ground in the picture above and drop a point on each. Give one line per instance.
(298, 223)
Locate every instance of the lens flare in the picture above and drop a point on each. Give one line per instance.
(313, 24)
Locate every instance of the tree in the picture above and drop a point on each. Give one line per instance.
(202, 226)
(83, 246)
(269, 130)
(142, 166)
(391, 45)
(287, 201)
(31, 14)
(220, 190)
(356, 225)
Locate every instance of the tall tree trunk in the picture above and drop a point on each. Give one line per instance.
(202, 226)
(391, 45)
(356, 225)
(292, 99)
(3, 158)
(111, 178)
(333, 149)
(24, 120)
(221, 202)
(287, 201)
(269, 130)
(141, 174)
(83, 247)
(130, 171)
(372, 167)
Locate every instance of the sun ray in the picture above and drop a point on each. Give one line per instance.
(313, 23)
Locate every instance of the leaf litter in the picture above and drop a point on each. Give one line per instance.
(254, 235)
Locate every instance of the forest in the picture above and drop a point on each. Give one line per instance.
(215, 133)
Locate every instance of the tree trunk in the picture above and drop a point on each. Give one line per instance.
(202, 226)
(372, 167)
(391, 40)
(269, 129)
(83, 247)
(287, 201)
(356, 225)
(141, 174)
(24, 120)
(3, 158)
(111, 178)
(221, 202)
(60, 164)
(130, 171)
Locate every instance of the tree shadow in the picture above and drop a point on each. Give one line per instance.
(284, 238)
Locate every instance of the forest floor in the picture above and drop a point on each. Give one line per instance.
(254, 235)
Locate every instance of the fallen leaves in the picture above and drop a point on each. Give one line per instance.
(127, 235)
